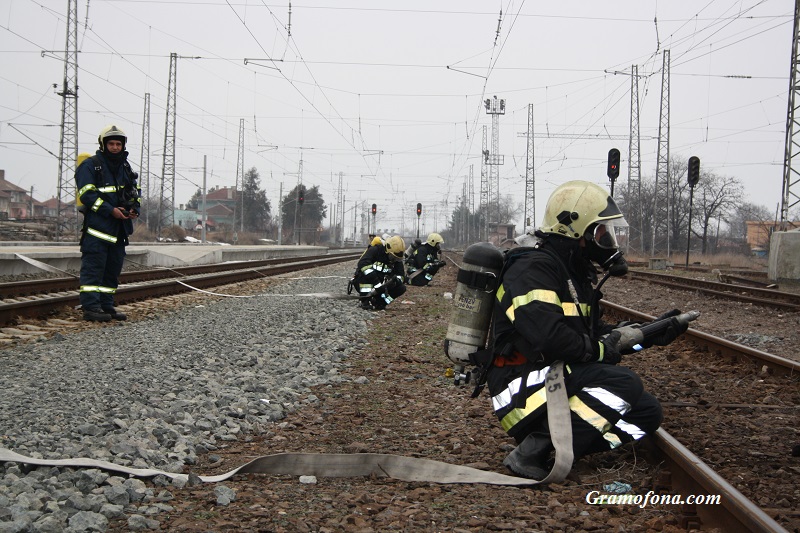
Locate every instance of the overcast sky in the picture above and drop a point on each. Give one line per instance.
(391, 94)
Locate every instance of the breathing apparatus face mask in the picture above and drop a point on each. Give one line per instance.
(602, 246)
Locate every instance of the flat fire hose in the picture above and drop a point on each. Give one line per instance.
(366, 464)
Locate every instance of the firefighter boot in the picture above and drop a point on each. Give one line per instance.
(115, 313)
(531, 458)
(95, 314)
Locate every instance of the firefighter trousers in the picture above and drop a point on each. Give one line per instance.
(101, 265)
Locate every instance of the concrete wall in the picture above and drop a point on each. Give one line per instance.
(784, 256)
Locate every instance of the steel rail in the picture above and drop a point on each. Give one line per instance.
(690, 475)
(36, 307)
(723, 347)
(760, 296)
(18, 289)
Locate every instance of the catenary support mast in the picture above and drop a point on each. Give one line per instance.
(661, 207)
(144, 160)
(67, 224)
(635, 233)
(530, 184)
(166, 204)
(240, 178)
(790, 195)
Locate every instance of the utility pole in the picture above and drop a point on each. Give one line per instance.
(661, 211)
(296, 203)
(280, 214)
(144, 162)
(240, 176)
(343, 224)
(495, 107)
(166, 203)
(67, 223)
(484, 205)
(203, 220)
(635, 162)
(530, 185)
(790, 194)
(470, 199)
(340, 208)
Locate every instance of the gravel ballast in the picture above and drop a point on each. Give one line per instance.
(156, 393)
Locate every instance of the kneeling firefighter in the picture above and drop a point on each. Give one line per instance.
(379, 276)
(547, 316)
(425, 262)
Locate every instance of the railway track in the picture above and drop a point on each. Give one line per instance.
(41, 298)
(685, 472)
(729, 291)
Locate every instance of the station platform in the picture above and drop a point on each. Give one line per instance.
(67, 256)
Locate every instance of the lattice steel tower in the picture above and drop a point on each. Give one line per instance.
(144, 161)
(530, 184)
(484, 203)
(67, 223)
(166, 203)
(240, 176)
(791, 188)
(635, 164)
(661, 222)
(494, 107)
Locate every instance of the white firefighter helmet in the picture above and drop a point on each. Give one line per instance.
(434, 239)
(111, 132)
(580, 206)
(395, 247)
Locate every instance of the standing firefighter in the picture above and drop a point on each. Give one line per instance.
(425, 261)
(379, 274)
(547, 311)
(109, 194)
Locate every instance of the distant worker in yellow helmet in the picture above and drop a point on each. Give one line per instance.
(108, 196)
(425, 261)
(379, 276)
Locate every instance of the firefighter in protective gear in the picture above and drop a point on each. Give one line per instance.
(425, 261)
(547, 310)
(108, 189)
(379, 276)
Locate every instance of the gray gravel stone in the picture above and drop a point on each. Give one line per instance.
(157, 393)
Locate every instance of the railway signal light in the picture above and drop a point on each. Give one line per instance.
(693, 172)
(419, 210)
(301, 193)
(613, 164)
(374, 208)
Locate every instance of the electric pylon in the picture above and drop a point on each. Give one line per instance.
(791, 189)
(340, 207)
(484, 205)
(495, 107)
(67, 223)
(661, 211)
(530, 184)
(166, 203)
(240, 175)
(635, 164)
(144, 161)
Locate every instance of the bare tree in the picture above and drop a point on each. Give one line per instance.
(715, 198)
(742, 214)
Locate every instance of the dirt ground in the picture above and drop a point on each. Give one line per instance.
(406, 406)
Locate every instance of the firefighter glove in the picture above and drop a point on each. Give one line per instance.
(607, 351)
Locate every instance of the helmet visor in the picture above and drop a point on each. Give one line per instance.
(604, 234)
